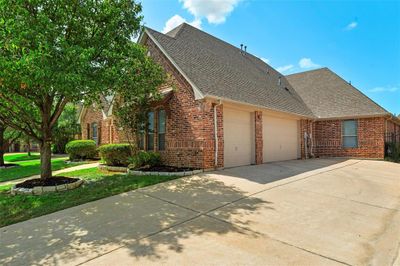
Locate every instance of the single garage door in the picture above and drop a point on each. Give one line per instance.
(280, 139)
(238, 138)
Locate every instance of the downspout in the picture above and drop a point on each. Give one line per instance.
(216, 133)
(311, 140)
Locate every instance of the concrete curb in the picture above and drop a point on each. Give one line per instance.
(185, 173)
(45, 189)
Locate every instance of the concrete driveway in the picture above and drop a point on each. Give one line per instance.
(314, 212)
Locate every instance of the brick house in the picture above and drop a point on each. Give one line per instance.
(228, 108)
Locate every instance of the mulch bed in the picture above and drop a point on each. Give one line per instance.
(53, 181)
(165, 168)
(8, 165)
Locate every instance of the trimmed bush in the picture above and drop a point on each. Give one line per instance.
(145, 159)
(81, 149)
(116, 154)
(392, 151)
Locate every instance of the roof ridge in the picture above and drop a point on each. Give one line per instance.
(308, 71)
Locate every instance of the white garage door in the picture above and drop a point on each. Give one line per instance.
(238, 138)
(280, 139)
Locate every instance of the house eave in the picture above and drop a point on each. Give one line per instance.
(352, 117)
(258, 107)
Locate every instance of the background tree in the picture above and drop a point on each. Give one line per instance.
(66, 128)
(55, 52)
(7, 137)
(136, 96)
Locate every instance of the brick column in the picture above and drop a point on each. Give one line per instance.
(259, 136)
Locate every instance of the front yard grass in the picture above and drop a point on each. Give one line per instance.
(19, 157)
(98, 185)
(30, 168)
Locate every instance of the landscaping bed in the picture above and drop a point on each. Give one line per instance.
(165, 170)
(38, 186)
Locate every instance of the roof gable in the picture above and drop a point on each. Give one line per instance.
(221, 70)
(329, 96)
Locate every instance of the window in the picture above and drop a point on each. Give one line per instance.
(94, 132)
(349, 133)
(150, 131)
(161, 130)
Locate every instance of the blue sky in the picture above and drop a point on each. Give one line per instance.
(359, 40)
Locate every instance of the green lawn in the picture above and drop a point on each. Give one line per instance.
(21, 157)
(29, 168)
(99, 185)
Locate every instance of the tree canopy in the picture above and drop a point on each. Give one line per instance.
(55, 52)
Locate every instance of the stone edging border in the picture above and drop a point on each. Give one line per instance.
(44, 189)
(185, 173)
(113, 168)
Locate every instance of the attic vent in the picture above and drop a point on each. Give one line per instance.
(279, 81)
(243, 51)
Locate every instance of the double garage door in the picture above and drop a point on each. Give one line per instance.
(280, 138)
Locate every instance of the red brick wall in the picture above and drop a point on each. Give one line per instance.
(258, 136)
(108, 132)
(189, 124)
(328, 139)
(94, 115)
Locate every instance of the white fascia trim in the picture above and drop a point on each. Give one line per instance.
(197, 93)
(351, 117)
(258, 107)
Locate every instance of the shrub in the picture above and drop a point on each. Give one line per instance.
(392, 151)
(145, 159)
(81, 149)
(116, 154)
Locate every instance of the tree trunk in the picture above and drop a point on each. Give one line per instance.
(45, 159)
(28, 146)
(2, 145)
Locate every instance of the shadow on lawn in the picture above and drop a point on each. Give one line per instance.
(133, 220)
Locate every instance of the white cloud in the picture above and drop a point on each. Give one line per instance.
(351, 25)
(284, 68)
(215, 11)
(307, 63)
(266, 60)
(177, 20)
(385, 89)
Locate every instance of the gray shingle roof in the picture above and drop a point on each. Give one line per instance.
(329, 96)
(219, 69)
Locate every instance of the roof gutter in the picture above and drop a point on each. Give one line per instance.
(216, 133)
(351, 117)
(217, 98)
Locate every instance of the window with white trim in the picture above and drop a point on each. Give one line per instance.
(349, 134)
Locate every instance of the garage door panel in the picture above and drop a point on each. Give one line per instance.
(280, 138)
(238, 137)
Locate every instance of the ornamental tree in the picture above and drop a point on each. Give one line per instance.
(60, 51)
(136, 96)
